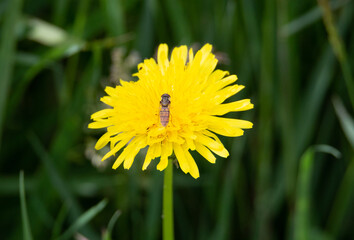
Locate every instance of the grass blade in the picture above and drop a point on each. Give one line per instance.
(114, 16)
(83, 219)
(7, 53)
(250, 19)
(145, 32)
(302, 216)
(27, 235)
(346, 121)
(57, 227)
(54, 176)
(307, 19)
(153, 215)
(315, 93)
(338, 47)
(266, 115)
(57, 180)
(181, 28)
(302, 204)
(227, 194)
(49, 57)
(342, 202)
(108, 233)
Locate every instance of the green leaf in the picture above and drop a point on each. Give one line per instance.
(108, 233)
(319, 84)
(178, 21)
(302, 201)
(307, 19)
(63, 50)
(346, 121)
(302, 217)
(55, 178)
(26, 228)
(114, 16)
(57, 227)
(83, 220)
(342, 202)
(7, 53)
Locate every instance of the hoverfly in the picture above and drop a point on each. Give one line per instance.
(165, 109)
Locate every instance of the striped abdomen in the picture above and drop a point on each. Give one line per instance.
(164, 115)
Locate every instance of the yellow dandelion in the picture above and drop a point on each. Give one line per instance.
(174, 107)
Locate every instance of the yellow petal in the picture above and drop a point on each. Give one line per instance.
(215, 79)
(221, 150)
(123, 156)
(100, 124)
(222, 153)
(166, 151)
(157, 150)
(162, 58)
(179, 56)
(228, 127)
(112, 91)
(225, 82)
(183, 163)
(120, 159)
(163, 160)
(210, 143)
(102, 114)
(150, 70)
(205, 52)
(212, 135)
(208, 65)
(174, 137)
(154, 132)
(200, 56)
(190, 143)
(148, 157)
(108, 100)
(116, 148)
(135, 145)
(191, 55)
(169, 147)
(104, 139)
(205, 152)
(163, 163)
(237, 106)
(226, 92)
(125, 83)
(229, 122)
(194, 171)
(228, 132)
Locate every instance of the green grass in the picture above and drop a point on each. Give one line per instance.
(296, 60)
(26, 229)
(7, 53)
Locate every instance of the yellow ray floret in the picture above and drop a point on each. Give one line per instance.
(196, 91)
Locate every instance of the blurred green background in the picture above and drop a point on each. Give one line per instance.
(290, 177)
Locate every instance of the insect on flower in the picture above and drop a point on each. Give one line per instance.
(165, 109)
(192, 96)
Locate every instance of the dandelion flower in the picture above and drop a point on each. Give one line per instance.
(175, 106)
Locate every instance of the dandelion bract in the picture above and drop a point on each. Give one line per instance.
(197, 93)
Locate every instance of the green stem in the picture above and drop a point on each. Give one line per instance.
(338, 46)
(168, 232)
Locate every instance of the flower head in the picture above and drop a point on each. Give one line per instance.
(174, 107)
